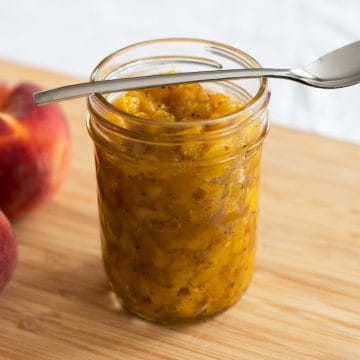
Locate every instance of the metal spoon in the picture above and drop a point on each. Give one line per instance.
(339, 68)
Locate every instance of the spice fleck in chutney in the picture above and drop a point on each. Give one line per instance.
(178, 181)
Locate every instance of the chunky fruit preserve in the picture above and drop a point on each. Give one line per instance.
(178, 180)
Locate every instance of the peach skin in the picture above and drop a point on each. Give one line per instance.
(35, 148)
(8, 251)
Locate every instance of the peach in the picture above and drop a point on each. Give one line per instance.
(8, 251)
(35, 148)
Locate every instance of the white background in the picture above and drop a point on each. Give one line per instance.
(73, 35)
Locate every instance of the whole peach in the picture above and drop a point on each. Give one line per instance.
(35, 150)
(8, 251)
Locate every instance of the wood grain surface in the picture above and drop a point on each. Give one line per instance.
(304, 301)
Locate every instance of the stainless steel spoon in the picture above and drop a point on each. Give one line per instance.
(339, 68)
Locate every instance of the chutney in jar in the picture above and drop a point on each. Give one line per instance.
(178, 198)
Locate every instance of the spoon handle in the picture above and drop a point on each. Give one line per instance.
(116, 85)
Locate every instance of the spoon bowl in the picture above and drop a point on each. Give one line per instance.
(337, 69)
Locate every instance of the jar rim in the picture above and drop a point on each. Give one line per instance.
(248, 61)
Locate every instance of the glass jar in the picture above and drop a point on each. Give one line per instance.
(178, 201)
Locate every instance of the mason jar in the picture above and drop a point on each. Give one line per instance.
(178, 201)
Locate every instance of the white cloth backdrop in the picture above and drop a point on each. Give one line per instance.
(73, 35)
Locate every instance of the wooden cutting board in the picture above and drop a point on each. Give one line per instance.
(304, 301)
